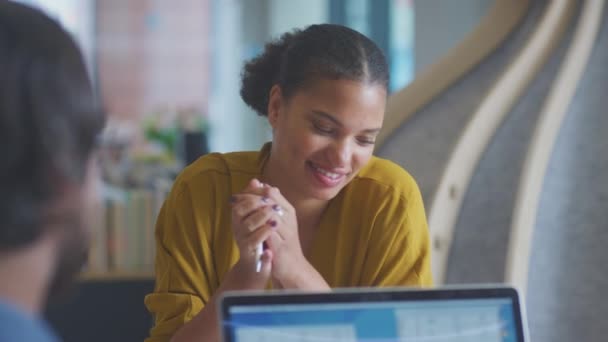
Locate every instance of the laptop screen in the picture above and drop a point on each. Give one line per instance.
(471, 320)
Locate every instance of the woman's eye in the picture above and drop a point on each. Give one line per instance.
(323, 129)
(367, 141)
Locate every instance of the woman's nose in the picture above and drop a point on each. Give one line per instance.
(341, 152)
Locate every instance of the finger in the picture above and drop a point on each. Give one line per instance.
(248, 242)
(246, 204)
(259, 235)
(274, 195)
(278, 210)
(245, 196)
(254, 183)
(255, 186)
(274, 240)
(259, 218)
(266, 259)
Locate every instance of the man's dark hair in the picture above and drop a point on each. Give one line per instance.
(49, 120)
(300, 57)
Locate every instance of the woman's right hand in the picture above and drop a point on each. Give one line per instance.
(252, 224)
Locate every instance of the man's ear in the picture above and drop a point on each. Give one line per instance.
(275, 103)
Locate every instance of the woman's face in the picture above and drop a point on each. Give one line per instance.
(324, 134)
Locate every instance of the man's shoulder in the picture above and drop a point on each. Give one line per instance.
(16, 325)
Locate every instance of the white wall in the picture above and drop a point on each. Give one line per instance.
(440, 24)
(286, 15)
(225, 106)
(240, 29)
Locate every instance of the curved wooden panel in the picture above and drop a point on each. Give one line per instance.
(543, 140)
(478, 250)
(423, 144)
(501, 20)
(479, 131)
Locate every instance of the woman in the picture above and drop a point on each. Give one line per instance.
(327, 213)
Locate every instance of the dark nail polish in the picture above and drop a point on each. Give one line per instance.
(272, 223)
(265, 199)
(276, 207)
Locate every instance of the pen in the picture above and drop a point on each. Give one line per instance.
(260, 247)
(259, 250)
(258, 257)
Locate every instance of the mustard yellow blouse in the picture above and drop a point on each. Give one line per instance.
(374, 233)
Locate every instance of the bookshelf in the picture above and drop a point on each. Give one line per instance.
(122, 239)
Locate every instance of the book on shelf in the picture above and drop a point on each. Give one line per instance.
(123, 230)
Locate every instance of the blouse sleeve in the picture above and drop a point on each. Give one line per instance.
(399, 253)
(185, 274)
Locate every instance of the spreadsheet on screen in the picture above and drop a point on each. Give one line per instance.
(470, 320)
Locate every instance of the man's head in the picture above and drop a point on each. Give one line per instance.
(48, 124)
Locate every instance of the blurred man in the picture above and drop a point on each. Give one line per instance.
(48, 124)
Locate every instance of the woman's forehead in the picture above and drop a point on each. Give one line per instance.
(343, 98)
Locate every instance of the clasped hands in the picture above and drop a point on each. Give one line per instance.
(261, 215)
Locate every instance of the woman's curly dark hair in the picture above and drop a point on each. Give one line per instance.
(320, 51)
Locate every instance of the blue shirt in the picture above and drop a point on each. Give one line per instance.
(16, 325)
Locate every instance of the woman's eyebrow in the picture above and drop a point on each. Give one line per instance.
(327, 116)
(320, 113)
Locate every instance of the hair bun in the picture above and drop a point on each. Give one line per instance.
(262, 72)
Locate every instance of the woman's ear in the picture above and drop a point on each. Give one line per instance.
(275, 102)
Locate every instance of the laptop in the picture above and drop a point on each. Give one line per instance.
(458, 314)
